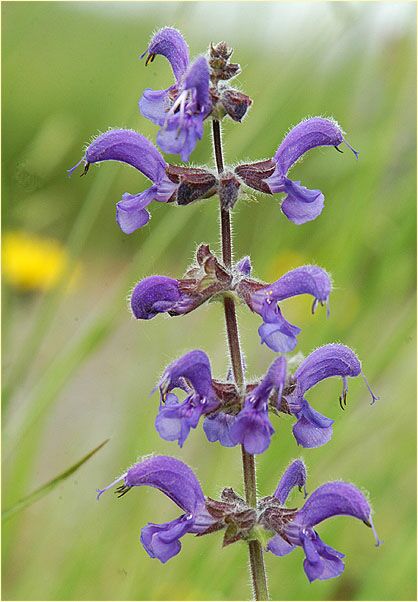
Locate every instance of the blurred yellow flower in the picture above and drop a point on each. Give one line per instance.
(33, 263)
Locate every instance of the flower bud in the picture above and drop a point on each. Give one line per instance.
(235, 103)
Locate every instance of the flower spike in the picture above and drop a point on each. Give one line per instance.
(233, 411)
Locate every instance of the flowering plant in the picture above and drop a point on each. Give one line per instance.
(234, 411)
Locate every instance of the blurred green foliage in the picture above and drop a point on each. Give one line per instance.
(77, 369)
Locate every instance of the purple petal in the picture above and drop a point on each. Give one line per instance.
(305, 280)
(320, 563)
(301, 205)
(326, 569)
(170, 43)
(153, 295)
(308, 134)
(278, 546)
(244, 266)
(273, 380)
(180, 134)
(174, 421)
(171, 476)
(197, 79)
(154, 105)
(217, 428)
(195, 368)
(332, 499)
(312, 428)
(308, 279)
(165, 190)
(163, 541)
(130, 211)
(315, 417)
(330, 360)
(279, 335)
(294, 476)
(252, 428)
(128, 147)
(309, 435)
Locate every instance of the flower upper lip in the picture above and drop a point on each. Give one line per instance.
(301, 204)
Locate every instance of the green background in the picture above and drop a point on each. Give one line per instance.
(78, 369)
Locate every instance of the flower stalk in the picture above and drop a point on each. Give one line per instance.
(258, 571)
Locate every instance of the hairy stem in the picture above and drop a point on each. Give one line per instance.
(258, 573)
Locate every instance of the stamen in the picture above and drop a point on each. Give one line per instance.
(100, 491)
(303, 488)
(178, 104)
(86, 168)
(123, 490)
(328, 308)
(374, 397)
(149, 59)
(338, 149)
(314, 306)
(343, 396)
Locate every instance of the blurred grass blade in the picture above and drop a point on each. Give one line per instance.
(66, 364)
(44, 489)
(90, 209)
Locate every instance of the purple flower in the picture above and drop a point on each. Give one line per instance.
(192, 374)
(296, 529)
(218, 428)
(293, 476)
(178, 482)
(130, 147)
(159, 294)
(244, 266)
(276, 332)
(252, 427)
(180, 109)
(300, 205)
(312, 429)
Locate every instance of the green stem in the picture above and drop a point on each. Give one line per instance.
(258, 572)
